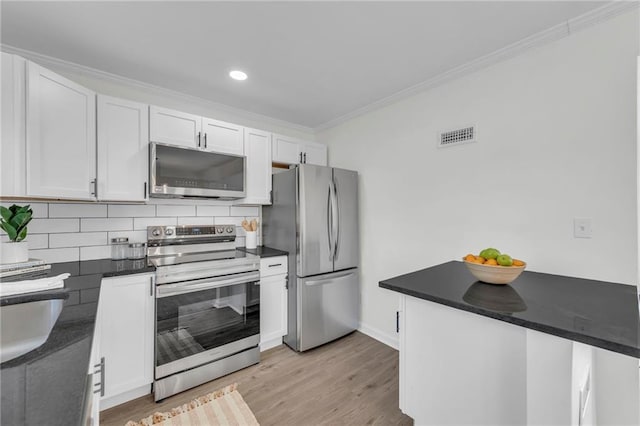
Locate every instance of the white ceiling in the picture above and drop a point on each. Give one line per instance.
(308, 62)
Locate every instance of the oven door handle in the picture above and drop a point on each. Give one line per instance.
(166, 290)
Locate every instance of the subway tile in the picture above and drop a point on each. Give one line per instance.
(36, 241)
(77, 210)
(140, 223)
(49, 226)
(132, 210)
(196, 220)
(162, 210)
(212, 210)
(56, 255)
(107, 224)
(240, 241)
(78, 239)
(133, 236)
(221, 220)
(95, 252)
(245, 211)
(40, 210)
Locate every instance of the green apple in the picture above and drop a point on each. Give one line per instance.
(504, 260)
(490, 253)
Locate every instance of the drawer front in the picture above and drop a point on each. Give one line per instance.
(273, 266)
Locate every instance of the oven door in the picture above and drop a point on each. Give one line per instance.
(200, 321)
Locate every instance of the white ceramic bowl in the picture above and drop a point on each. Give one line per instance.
(494, 274)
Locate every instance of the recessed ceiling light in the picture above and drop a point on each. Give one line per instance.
(238, 75)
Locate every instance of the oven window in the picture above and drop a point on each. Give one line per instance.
(190, 323)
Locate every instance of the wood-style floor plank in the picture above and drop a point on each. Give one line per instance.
(352, 381)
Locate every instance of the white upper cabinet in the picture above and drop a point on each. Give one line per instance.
(224, 137)
(174, 127)
(61, 136)
(257, 149)
(123, 155)
(192, 131)
(13, 148)
(289, 150)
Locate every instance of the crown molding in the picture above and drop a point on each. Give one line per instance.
(62, 65)
(557, 32)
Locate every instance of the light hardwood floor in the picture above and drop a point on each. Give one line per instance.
(352, 381)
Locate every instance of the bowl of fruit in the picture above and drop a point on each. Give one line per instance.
(493, 267)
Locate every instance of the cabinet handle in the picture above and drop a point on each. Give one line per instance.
(275, 264)
(198, 139)
(205, 141)
(94, 187)
(301, 157)
(151, 286)
(286, 283)
(101, 384)
(305, 158)
(145, 190)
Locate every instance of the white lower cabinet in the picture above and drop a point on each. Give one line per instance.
(273, 301)
(126, 333)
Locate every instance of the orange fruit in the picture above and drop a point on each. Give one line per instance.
(491, 262)
(469, 258)
(517, 262)
(480, 259)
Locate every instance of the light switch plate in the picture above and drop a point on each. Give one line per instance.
(582, 227)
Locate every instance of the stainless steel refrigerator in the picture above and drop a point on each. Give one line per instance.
(314, 216)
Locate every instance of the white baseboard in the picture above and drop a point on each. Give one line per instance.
(386, 338)
(270, 344)
(106, 403)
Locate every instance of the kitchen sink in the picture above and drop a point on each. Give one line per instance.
(26, 326)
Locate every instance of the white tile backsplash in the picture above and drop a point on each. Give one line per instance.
(196, 220)
(212, 210)
(108, 224)
(245, 211)
(50, 226)
(65, 232)
(131, 210)
(69, 254)
(78, 239)
(162, 210)
(142, 222)
(77, 210)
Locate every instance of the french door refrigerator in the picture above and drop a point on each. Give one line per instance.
(314, 216)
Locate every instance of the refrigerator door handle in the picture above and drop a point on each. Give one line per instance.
(330, 222)
(335, 221)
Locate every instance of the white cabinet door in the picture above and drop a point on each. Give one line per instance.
(286, 150)
(273, 301)
(61, 136)
(257, 149)
(126, 323)
(222, 137)
(123, 135)
(13, 142)
(174, 127)
(314, 153)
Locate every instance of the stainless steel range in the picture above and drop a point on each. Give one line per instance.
(207, 305)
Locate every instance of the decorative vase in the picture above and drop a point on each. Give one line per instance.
(14, 252)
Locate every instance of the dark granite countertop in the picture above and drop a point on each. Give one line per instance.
(47, 385)
(264, 251)
(596, 313)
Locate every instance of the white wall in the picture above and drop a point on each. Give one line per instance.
(557, 140)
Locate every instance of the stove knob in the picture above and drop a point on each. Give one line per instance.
(156, 232)
(229, 230)
(219, 230)
(168, 231)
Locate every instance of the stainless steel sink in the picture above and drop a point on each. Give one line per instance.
(26, 326)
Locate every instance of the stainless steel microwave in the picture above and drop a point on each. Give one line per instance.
(189, 172)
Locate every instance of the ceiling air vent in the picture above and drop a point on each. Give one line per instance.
(457, 137)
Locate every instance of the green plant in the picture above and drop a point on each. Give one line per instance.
(14, 221)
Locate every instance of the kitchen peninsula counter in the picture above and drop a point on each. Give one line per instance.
(545, 349)
(48, 385)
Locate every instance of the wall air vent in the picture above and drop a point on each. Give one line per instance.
(457, 137)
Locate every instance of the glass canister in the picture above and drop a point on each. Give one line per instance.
(119, 248)
(137, 250)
